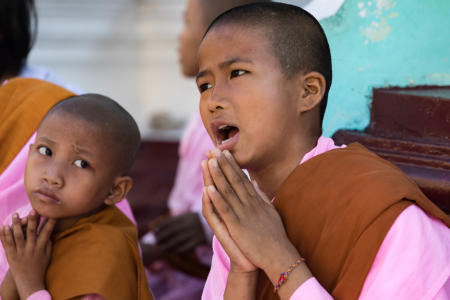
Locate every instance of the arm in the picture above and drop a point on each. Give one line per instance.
(8, 290)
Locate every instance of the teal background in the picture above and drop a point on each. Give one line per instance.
(380, 44)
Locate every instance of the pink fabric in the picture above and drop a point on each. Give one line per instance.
(13, 196)
(45, 295)
(406, 266)
(186, 196)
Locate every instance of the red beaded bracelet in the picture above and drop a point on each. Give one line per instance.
(284, 276)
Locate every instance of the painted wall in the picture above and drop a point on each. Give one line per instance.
(383, 43)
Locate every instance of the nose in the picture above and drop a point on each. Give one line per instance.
(54, 176)
(218, 98)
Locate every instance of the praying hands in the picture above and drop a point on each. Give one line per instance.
(28, 253)
(247, 225)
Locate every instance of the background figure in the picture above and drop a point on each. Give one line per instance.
(185, 230)
(18, 32)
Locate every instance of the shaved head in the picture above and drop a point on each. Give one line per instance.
(297, 40)
(117, 126)
(210, 9)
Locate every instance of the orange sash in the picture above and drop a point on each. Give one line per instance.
(23, 104)
(98, 255)
(337, 208)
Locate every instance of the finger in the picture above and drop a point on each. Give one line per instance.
(238, 170)
(218, 226)
(32, 229)
(222, 185)
(18, 233)
(8, 241)
(223, 208)
(236, 178)
(189, 245)
(174, 243)
(207, 179)
(209, 154)
(45, 233)
(24, 221)
(48, 249)
(167, 232)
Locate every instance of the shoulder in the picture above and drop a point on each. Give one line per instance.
(419, 269)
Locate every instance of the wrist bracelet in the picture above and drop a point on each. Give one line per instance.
(284, 276)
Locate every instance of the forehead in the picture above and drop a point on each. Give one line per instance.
(66, 129)
(228, 41)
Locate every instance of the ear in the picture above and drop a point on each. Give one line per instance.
(119, 190)
(314, 85)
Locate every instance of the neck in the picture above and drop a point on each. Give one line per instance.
(271, 177)
(65, 223)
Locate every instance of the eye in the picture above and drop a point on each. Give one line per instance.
(80, 163)
(44, 151)
(203, 87)
(236, 73)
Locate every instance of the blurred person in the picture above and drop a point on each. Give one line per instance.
(18, 32)
(185, 230)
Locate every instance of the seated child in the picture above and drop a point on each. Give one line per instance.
(76, 171)
(318, 221)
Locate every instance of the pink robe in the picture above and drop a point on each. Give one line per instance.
(406, 266)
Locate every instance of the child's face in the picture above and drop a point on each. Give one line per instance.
(190, 38)
(247, 105)
(69, 171)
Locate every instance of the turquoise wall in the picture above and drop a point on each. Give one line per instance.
(379, 44)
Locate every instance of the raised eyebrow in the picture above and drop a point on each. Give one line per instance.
(45, 140)
(82, 151)
(224, 65)
(234, 60)
(201, 74)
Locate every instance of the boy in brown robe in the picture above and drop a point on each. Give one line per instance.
(76, 171)
(264, 76)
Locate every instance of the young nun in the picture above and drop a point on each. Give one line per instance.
(318, 221)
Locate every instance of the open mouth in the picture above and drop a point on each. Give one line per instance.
(225, 134)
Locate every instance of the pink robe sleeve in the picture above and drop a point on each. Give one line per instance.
(45, 295)
(413, 262)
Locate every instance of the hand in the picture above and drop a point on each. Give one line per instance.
(250, 218)
(180, 234)
(150, 253)
(28, 258)
(8, 289)
(239, 263)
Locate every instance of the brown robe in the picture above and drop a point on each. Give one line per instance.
(337, 208)
(23, 104)
(98, 255)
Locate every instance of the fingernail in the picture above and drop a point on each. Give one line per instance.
(214, 163)
(227, 154)
(217, 152)
(15, 215)
(211, 188)
(32, 212)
